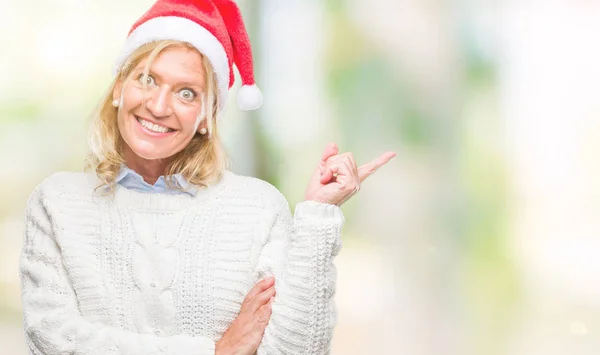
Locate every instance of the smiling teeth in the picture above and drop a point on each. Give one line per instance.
(153, 127)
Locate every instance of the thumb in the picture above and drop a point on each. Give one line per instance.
(330, 150)
(315, 181)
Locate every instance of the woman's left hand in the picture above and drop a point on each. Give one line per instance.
(337, 178)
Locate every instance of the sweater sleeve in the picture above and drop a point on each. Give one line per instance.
(299, 253)
(52, 321)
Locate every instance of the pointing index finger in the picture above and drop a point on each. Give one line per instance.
(368, 169)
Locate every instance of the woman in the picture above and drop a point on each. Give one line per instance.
(162, 250)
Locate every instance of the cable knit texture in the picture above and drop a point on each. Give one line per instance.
(141, 274)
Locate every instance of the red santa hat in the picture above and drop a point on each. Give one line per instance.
(215, 28)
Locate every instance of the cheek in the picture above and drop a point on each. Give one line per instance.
(189, 118)
(131, 97)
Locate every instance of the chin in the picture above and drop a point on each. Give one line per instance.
(151, 148)
(149, 151)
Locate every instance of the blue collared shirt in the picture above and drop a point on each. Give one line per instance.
(128, 178)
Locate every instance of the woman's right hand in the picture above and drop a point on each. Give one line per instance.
(246, 331)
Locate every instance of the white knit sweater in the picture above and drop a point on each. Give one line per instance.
(148, 274)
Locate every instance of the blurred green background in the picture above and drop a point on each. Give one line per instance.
(481, 237)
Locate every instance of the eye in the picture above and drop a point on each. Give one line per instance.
(187, 94)
(146, 79)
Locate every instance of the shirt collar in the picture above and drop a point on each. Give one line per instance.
(178, 178)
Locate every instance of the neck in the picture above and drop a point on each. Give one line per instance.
(149, 169)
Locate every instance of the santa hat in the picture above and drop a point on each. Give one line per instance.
(215, 28)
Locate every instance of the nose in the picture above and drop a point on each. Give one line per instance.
(159, 102)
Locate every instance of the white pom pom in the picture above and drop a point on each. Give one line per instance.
(249, 97)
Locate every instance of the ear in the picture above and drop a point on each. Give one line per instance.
(116, 94)
(202, 125)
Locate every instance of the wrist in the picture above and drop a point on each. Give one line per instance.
(312, 208)
(321, 199)
(219, 348)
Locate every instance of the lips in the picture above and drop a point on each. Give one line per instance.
(153, 130)
(153, 127)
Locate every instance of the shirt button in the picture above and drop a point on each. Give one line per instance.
(157, 332)
(152, 284)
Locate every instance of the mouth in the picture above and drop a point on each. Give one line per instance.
(153, 128)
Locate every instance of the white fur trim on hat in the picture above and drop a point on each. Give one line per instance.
(181, 29)
(249, 97)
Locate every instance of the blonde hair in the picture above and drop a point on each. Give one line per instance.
(202, 162)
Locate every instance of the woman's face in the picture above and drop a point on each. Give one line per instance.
(160, 121)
